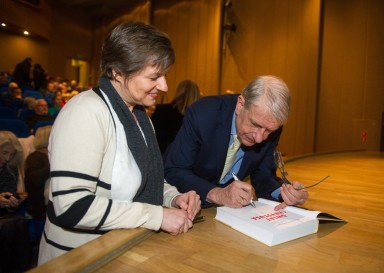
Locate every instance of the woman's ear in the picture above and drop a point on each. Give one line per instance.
(116, 75)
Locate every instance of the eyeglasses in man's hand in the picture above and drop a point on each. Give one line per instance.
(279, 163)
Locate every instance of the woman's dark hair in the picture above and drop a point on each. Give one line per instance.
(132, 46)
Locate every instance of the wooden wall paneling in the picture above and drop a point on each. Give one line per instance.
(239, 53)
(163, 18)
(232, 74)
(193, 29)
(140, 13)
(374, 71)
(351, 94)
(278, 38)
(71, 39)
(212, 48)
(300, 73)
(330, 83)
(353, 62)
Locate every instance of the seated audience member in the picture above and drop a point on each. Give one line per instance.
(15, 100)
(63, 89)
(57, 104)
(73, 86)
(30, 103)
(11, 164)
(14, 245)
(3, 79)
(249, 127)
(66, 93)
(5, 90)
(41, 114)
(16, 93)
(167, 118)
(49, 88)
(36, 177)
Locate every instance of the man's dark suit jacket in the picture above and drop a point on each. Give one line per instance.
(196, 158)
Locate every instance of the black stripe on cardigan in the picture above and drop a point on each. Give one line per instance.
(81, 176)
(57, 221)
(105, 215)
(56, 245)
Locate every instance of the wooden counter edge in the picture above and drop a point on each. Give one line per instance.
(96, 253)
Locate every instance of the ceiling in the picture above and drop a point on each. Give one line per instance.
(99, 7)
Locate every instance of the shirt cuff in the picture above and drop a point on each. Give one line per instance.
(276, 194)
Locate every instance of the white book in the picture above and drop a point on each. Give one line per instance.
(272, 227)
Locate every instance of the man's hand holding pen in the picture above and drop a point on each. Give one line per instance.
(251, 202)
(236, 195)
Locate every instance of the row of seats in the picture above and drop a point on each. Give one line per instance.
(20, 127)
(27, 93)
(10, 113)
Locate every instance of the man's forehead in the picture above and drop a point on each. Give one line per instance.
(259, 115)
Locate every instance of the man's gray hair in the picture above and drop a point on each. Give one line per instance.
(269, 92)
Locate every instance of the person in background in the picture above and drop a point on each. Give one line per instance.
(15, 99)
(106, 166)
(49, 88)
(249, 127)
(57, 104)
(11, 164)
(39, 77)
(14, 245)
(3, 79)
(167, 118)
(40, 114)
(30, 103)
(22, 73)
(37, 172)
(73, 86)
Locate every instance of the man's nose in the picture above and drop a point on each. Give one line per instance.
(260, 135)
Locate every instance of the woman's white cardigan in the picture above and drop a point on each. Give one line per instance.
(85, 154)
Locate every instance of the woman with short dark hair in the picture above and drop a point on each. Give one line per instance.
(106, 166)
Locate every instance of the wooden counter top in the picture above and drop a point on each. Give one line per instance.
(353, 192)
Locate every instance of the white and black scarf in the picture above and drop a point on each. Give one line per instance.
(145, 151)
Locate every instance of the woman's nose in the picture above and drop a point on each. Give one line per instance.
(162, 84)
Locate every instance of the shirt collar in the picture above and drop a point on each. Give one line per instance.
(233, 127)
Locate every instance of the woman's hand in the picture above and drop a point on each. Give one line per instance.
(175, 221)
(189, 202)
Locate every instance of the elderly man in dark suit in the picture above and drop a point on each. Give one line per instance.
(199, 158)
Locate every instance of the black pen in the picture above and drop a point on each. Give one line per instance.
(251, 202)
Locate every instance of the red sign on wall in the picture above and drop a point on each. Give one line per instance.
(364, 136)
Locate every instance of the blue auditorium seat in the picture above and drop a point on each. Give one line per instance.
(16, 126)
(7, 112)
(32, 93)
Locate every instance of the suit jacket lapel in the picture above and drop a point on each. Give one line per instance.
(223, 135)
